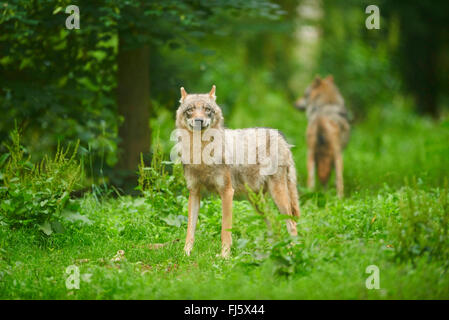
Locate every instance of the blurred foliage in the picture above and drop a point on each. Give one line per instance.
(421, 54)
(408, 53)
(37, 195)
(422, 226)
(359, 59)
(60, 85)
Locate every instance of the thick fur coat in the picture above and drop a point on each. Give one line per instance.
(327, 132)
(257, 158)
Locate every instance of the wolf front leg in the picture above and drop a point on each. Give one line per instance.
(194, 207)
(227, 196)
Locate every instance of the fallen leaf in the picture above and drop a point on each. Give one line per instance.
(120, 255)
(81, 260)
(171, 267)
(153, 246)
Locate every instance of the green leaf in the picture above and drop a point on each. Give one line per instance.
(3, 158)
(175, 221)
(75, 216)
(57, 226)
(57, 9)
(46, 228)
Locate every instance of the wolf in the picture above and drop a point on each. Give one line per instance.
(200, 114)
(327, 132)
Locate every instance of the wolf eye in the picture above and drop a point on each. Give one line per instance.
(189, 111)
(208, 110)
(307, 93)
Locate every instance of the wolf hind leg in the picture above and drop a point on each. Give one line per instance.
(293, 191)
(311, 169)
(294, 199)
(312, 139)
(280, 194)
(339, 173)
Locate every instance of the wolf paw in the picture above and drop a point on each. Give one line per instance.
(187, 250)
(225, 253)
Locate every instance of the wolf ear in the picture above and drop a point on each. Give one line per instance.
(317, 81)
(212, 93)
(330, 78)
(183, 94)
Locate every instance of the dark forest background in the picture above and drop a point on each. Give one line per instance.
(114, 83)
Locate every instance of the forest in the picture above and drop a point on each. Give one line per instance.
(88, 98)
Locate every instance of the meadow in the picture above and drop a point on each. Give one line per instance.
(395, 216)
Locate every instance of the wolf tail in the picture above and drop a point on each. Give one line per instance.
(324, 156)
(324, 166)
(293, 192)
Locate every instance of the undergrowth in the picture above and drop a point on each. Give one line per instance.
(35, 195)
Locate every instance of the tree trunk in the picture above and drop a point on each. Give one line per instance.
(419, 58)
(134, 106)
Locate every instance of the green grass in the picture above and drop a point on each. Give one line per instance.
(340, 238)
(399, 227)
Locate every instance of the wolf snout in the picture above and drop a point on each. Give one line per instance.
(200, 123)
(197, 124)
(300, 104)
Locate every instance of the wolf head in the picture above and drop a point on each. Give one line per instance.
(199, 111)
(321, 92)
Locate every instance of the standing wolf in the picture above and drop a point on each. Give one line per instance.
(327, 131)
(237, 162)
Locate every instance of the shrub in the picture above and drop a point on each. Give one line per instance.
(35, 195)
(286, 255)
(291, 257)
(422, 225)
(165, 192)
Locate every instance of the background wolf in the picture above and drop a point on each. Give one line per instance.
(200, 112)
(327, 131)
